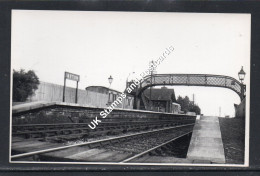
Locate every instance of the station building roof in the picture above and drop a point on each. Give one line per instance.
(163, 94)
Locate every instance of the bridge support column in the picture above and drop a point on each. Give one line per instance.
(243, 90)
(137, 103)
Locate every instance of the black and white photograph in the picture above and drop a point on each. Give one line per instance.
(130, 88)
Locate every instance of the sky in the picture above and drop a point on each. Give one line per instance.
(96, 45)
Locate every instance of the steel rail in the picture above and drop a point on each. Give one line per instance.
(92, 142)
(104, 123)
(58, 128)
(154, 148)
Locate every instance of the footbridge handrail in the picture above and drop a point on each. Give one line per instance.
(208, 80)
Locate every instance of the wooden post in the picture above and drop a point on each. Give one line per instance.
(64, 88)
(76, 97)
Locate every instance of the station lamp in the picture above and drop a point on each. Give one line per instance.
(110, 80)
(241, 75)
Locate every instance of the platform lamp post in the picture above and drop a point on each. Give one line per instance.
(151, 82)
(241, 76)
(110, 80)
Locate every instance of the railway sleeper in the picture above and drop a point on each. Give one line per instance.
(76, 131)
(65, 132)
(84, 130)
(95, 145)
(50, 134)
(33, 135)
(61, 138)
(70, 138)
(114, 141)
(114, 132)
(105, 143)
(122, 139)
(97, 133)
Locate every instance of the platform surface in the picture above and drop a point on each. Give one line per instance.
(25, 106)
(206, 143)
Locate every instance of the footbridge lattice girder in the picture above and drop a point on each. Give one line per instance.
(191, 80)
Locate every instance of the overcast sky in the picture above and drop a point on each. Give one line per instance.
(96, 45)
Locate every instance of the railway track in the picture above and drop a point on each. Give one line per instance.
(120, 149)
(73, 131)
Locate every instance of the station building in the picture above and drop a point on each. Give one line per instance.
(112, 95)
(161, 100)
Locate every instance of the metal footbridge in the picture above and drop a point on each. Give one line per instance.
(206, 80)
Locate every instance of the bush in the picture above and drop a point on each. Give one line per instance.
(24, 84)
(187, 105)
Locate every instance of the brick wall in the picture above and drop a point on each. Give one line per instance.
(78, 114)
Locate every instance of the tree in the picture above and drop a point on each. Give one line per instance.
(24, 84)
(173, 97)
(195, 108)
(187, 105)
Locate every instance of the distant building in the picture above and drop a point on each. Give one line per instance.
(176, 108)
(112, 95)
(162, 100)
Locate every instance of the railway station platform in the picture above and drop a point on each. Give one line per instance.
(206, 144)
(53, 131)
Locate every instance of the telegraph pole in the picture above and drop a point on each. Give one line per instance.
(151, 91)
(151, 66)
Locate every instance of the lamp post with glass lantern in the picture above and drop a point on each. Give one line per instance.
(110, 80)
(241, 76)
